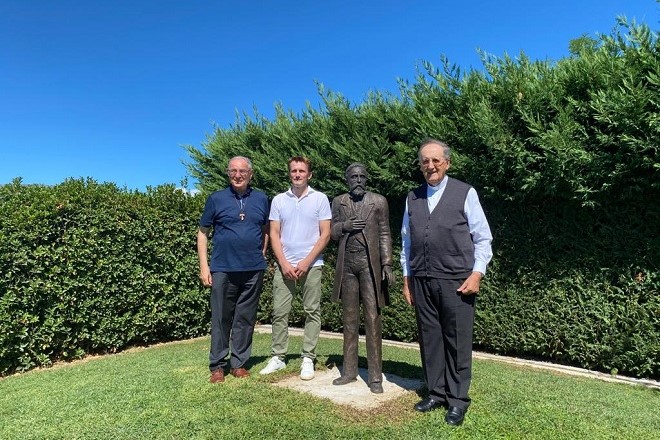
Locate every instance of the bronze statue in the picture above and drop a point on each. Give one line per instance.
(360, 221)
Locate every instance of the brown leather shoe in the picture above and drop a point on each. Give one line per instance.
(217, 376)
(239, 372)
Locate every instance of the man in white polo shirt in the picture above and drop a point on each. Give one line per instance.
(299, 231)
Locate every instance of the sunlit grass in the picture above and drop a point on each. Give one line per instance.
(162, 392)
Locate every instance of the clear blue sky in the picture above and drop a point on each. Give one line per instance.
(113, 89)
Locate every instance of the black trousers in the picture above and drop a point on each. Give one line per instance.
(234, 303)
(445, 320)
(358, 286)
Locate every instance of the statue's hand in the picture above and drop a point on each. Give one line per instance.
(388, 275)
(359, 224)
(353, 225)
(347, 226)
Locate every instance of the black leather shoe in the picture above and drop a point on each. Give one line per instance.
(343, 380)
(455, 416)
(428, 404)
(376, 387)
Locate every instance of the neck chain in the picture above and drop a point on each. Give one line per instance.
(241, 202)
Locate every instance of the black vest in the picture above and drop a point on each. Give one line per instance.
(440, 242)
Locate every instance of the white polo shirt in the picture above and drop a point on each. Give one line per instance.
(299, 222)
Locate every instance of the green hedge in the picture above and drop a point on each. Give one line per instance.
(88, 268)
(576, 285)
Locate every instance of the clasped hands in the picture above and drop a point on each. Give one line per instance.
(292, 272)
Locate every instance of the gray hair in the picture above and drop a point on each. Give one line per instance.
(446, 151)
(249, 162)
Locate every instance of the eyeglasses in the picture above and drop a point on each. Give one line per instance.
(435, 161)
(235, 172)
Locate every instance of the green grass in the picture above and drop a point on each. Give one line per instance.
(162, 392)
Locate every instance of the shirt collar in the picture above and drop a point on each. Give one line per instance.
(248, 190)
(310, 190)
(430, 190)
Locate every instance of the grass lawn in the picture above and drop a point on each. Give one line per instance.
(162, 392)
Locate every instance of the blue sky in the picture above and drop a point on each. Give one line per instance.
(112, 90)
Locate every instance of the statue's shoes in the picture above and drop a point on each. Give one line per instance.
(376, 387)
(343, 380)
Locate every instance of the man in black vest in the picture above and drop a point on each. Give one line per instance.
(446, 248)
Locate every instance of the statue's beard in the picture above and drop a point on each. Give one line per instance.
(357, 191)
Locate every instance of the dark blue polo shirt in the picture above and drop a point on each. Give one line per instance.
(237, 244)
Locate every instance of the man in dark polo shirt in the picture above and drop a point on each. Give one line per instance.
(238, 219)
(446, 248)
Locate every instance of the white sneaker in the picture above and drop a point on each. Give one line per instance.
(274, 364)
(307, 369)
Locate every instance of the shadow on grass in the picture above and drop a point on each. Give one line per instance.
(255, 360)
(403, 369)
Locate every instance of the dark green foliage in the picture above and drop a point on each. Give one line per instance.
(584, 294)
(89, 268)
(565, 158)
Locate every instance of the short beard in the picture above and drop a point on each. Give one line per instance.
(357, 192)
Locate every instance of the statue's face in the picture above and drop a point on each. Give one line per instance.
(357, 181)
